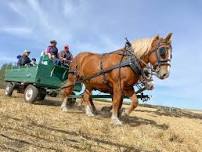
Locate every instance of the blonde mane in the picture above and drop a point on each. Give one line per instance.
(142, 46)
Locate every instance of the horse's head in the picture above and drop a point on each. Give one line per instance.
(160, 55)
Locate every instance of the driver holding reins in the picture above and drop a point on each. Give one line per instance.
(65, 55)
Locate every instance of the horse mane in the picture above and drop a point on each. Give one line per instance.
(142, 46)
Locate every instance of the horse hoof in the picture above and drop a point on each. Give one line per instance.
(116, 122)
(64, 109)
(89, 112)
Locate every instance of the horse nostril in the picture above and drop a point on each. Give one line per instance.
(163, 76)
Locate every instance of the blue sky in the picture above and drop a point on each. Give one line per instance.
(100, 26)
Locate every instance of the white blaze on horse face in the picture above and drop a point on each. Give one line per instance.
(164, 71)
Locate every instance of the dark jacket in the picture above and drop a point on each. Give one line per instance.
(23, 61)
(53, 51)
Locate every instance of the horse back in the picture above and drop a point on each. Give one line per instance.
(87, 63)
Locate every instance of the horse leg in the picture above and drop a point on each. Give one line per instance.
(116, 105)
(67, 92)
(134, 101)
(90, 107)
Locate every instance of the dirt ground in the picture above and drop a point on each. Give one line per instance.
(43, 127)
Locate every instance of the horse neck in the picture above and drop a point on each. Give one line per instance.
(144, 59)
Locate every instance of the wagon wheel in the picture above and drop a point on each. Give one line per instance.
(31, 94)
(53, 94)
(9, 89)
(41, 95)
(71, 101)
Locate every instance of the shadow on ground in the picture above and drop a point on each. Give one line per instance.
(73, 139)
(173, 112)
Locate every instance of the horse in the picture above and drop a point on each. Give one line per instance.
(119, 81)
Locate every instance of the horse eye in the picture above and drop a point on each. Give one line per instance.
(162, 51)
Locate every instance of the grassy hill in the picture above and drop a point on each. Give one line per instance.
(43, 127)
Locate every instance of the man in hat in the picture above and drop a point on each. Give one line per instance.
(52, 52)
(24, 59)
(65, 55)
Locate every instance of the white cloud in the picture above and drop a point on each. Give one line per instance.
(17, 7)
(63, 22)
(38, 12)
(22, 31)
(68, 9)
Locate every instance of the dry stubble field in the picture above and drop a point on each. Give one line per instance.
(43, 127)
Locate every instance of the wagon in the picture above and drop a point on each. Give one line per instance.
(36, 82)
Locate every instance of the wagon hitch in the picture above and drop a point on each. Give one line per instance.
(141, 95)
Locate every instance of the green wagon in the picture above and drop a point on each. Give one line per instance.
(37, 81)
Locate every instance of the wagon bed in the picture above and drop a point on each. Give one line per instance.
(45, 78)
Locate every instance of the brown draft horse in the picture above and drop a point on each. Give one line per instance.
(120, 81)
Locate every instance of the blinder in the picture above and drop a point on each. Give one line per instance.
(161, 54)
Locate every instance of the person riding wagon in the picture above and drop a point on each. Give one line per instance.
(65, 55)
(52, 52)
(24, 58)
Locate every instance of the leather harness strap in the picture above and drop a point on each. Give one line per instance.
(135, 65)
(101, 68)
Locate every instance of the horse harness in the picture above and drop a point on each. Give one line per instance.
(130, 60)
(127, 60)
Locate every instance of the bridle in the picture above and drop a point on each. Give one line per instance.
(160, 50)
(162, 58)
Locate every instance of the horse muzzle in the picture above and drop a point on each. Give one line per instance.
(164, 76)
(161, 76)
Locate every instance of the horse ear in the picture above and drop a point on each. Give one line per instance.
(157, 37)
(168, 38)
